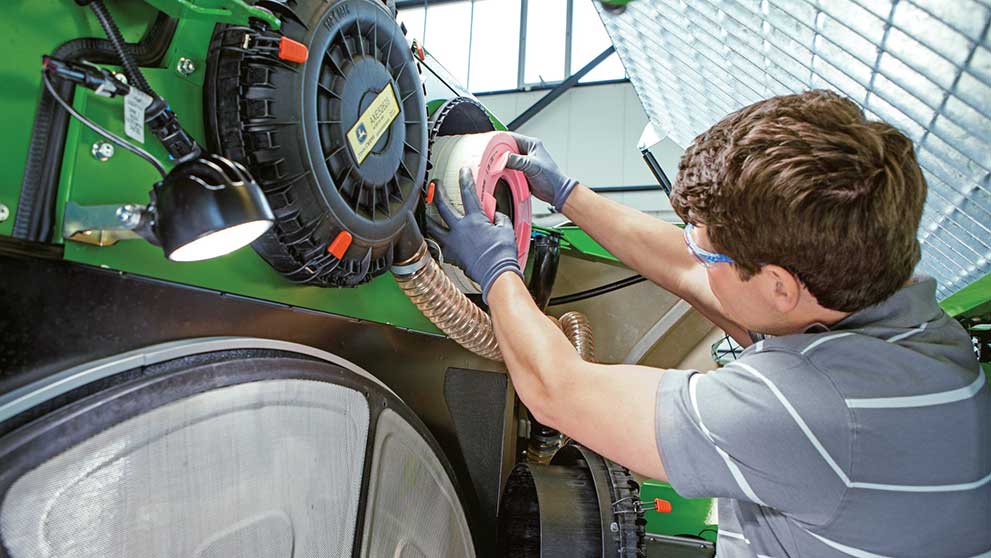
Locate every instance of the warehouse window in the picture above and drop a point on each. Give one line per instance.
(448, 31)
(547, 23)
(588, 40)
(483, 43)
(495, 50)
(413, 19)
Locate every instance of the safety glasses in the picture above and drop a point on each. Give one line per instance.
(705, 257)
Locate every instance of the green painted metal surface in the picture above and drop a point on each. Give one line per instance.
(688, 516)
(41, 27)
(224, 11)
(38, 28)
(576, 242)
(973, 298)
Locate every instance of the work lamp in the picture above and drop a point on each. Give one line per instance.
(208, 207)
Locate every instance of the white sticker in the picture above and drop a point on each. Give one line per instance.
(135, 104)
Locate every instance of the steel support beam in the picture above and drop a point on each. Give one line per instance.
(565, 85)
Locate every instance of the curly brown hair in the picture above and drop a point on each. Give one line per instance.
(806, 182)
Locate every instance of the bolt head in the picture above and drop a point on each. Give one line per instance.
(129, 215)
(4, 213)
(185, 67)
(614, 527)
(102, 150)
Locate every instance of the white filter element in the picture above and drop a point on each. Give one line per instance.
(924, 66)
(413, 507)
(450, 154)
(485, 155)
(263, 469)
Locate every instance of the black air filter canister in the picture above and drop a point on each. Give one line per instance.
(338, 142)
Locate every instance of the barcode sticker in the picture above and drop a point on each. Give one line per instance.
(135, 104)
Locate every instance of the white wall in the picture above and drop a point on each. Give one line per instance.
(592, 131)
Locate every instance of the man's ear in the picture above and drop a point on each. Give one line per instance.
(783, 288)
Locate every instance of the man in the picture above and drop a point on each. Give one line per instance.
(859, 427)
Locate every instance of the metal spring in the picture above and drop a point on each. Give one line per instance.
(578, 330)
(432, 291)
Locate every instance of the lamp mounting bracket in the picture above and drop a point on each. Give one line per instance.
(105, 225)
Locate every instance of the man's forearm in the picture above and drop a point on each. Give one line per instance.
(647, 245)
(576, 397)
(537, 354)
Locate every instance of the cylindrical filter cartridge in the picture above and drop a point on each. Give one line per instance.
(497, 187)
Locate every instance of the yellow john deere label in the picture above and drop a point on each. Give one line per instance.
(373, 123)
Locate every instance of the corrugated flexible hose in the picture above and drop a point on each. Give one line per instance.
(433, 292)
(578, 330)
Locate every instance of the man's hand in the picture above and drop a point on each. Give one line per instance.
(547, 182)
(484, 250)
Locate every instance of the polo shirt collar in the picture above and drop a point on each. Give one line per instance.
(910, 306)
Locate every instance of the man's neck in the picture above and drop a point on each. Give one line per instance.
(819, 316)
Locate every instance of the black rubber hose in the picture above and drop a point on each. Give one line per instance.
(131, 70)
(36, 203)
(607, 288)
(546, 253)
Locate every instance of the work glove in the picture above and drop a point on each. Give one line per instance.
(482, 249)
(547, 182)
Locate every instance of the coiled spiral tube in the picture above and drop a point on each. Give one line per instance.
(432, 291)
(578, 330)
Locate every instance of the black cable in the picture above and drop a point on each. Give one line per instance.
(131, 70)
(39, 186)
(703, 531)
(607, 288)
(100, 130)
(158, 116)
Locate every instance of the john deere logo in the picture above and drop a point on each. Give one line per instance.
(373, 123)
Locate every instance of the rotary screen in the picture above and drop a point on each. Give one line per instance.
(262, 469)
(414, 509)
(922, 65)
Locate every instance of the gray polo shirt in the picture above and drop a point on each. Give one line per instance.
(872, 439)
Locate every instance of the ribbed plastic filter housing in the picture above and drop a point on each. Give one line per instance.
(263, 469)
(921, 65)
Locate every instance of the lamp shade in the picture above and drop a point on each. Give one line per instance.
(209, 207)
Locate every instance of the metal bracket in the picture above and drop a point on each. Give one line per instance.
(102, 225)
(236, 12)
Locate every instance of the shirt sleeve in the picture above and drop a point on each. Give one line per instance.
(730, 433)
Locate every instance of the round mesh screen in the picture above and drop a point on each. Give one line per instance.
(262, 469)
(413, 508)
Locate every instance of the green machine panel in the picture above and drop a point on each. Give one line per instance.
(125, 178)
